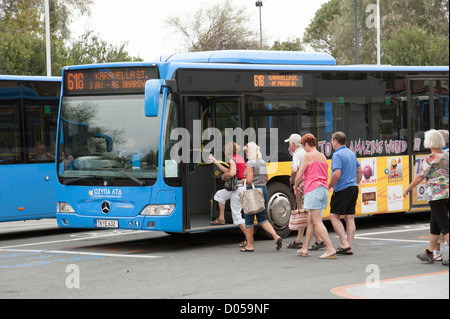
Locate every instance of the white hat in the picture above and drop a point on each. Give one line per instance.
(294, 138)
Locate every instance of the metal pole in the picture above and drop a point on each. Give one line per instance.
(378, 34)
(47, 37)
(356, 32)
(259, 4)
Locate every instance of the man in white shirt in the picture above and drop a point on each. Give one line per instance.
(297, 152)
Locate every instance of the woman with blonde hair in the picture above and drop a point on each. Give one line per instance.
(256, 174)
(434, 171)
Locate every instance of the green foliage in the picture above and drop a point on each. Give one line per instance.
(23, 44)
(412, 32)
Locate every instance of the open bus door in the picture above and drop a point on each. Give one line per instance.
(427, 101)
(202, 179)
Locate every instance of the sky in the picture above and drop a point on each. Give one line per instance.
(141, 23)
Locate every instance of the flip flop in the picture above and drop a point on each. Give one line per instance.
(245, 250)
(279, 243)
(343, 251)
(302, 254)
(326, 256)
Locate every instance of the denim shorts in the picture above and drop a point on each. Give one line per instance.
(260, 217)
(317, 198)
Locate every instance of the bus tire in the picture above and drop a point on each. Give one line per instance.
(281, 201)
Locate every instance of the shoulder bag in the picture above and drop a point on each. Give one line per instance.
(252, 200)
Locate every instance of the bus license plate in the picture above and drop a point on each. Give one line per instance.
(107, 223)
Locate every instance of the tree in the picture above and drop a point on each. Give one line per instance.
(289, 45)
(218, 27)
(90, 48)
(22, 38)
(332, 29)
(414, 46)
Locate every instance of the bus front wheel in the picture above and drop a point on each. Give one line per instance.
(281, 201)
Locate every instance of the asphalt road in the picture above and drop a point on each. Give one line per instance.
(39, 260)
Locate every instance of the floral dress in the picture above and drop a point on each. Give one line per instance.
(435, 171)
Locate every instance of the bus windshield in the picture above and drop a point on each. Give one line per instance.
(106, 141)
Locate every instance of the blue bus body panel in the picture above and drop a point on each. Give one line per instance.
(126, 204)
(254, 57)
(27, 192)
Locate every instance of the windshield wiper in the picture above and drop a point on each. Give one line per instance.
(74, 180)
(134, 179)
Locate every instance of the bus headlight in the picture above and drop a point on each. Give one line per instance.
(158, 210)
(64, 208)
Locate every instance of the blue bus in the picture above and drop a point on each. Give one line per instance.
(136, 136)
(28, 122)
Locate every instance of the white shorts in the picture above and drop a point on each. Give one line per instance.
(223, 195)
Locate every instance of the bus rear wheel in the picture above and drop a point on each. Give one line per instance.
(281, 201)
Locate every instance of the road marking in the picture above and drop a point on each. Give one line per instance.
(65, 252)
(74, 239)
(393, 239)
(394, 231)
(341, 291)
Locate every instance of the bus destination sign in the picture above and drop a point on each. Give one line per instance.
(278, 81)
(120, 80)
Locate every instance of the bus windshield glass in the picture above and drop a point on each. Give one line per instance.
(107, 141)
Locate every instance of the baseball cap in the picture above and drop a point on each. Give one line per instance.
(294, 138)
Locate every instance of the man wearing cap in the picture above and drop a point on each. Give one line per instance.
(297, 152)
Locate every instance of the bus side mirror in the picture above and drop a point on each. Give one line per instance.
(152, 91)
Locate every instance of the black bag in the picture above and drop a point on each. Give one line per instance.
(231, 184)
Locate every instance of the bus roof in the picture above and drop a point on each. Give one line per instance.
(253, 57)
(30, 78)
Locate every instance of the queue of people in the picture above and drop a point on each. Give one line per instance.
(309, 178)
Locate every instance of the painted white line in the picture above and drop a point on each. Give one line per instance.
(394, 231)
(7, 230)
(73, 239)
(64, 252)
(392, 239)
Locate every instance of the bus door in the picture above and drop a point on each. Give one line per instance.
(206, 119)
(428, 106)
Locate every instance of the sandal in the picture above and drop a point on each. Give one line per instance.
(344, 251)
(279, 243)
(295, 245)
(244, 243)
(245, 250)
(218, 221)
(317, 246)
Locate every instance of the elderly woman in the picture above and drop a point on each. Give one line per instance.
(434, 171)
(256, 173)
(314, 172)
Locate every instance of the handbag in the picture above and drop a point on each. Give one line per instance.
(252, 200)
(231, 184)
(299, 216)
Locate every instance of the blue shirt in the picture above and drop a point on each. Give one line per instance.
(345, 160)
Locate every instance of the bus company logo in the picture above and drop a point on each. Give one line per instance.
(106, 207)
(105, 193)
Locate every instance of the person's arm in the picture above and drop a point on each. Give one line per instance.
(359, 174)
(334, 178)
(249, 174)
(416, 181)
(231, 171)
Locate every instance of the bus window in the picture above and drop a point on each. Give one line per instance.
(441, 105)
(425, 118)
(287, 114)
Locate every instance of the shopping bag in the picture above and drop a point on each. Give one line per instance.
(299, 216)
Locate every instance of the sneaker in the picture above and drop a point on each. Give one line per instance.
(426, 257)
(438, 257)
(445, 263)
